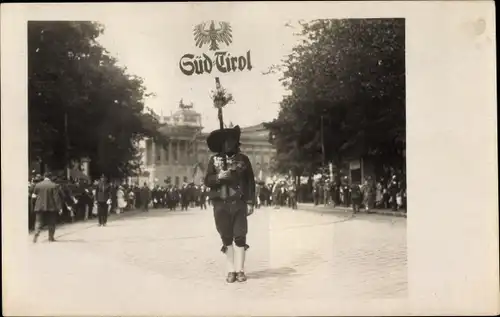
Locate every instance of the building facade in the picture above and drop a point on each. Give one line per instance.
(184, 159)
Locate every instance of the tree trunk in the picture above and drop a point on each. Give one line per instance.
(337, 163)
(298, 189)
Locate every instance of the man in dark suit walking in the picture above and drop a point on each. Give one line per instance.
(145, 196)
(48, 205)
(103, 198)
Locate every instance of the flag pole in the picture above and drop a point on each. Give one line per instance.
(219, 104)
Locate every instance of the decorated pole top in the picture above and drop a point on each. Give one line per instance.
(220, 96)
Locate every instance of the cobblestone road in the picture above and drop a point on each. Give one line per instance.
(169, 263)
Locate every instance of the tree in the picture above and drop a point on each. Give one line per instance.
(351, 73)
(81, 103)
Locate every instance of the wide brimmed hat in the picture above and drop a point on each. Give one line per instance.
(216, 138)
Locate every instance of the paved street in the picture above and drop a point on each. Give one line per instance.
(169, 263)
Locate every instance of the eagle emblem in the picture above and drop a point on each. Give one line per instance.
(212, 35)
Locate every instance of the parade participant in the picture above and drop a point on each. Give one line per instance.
(257, 195)
(184, 197)
(203, 197)
(112, 206)
(68, 199)
(335, 192)
(176, 197)
(120, 198)
(379, 197)
(103, 199)
(192, 195)
(326, 193)
(155, 194)
(79, 194)
(282, 193)
(137, 196)
(48, 205)
(393, 191)
(347, 192)
(163, 197)
(32, 200)
(131, 198)
(145, 196)
(275, 193)
(86, 199)
(292, 194)
(170, 198)
(232, 191)
(368, 193)
(356, 197)
(316, 193)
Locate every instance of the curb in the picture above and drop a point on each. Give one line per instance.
(321, 208)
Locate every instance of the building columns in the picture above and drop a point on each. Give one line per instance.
(153, 169)
(162, 155)
(178, 149)
(169, 156)
(152, 153)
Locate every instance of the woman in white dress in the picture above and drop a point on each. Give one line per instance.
(120, 197)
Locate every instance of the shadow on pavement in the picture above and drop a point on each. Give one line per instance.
(269, 273)
(70, 241)
(59, 240)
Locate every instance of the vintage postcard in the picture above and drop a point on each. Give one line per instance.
(249, 158)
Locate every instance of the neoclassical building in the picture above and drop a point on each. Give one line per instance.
(186, 156)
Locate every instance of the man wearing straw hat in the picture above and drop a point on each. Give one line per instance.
(232, 190)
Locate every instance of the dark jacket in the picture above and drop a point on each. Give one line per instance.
(145, 195)
(241, 183)
(356, 193)
(48, 196)
(102, 192)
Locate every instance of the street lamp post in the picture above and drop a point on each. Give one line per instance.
(66, 145)
(323, 141)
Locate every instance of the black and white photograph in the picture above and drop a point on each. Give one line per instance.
(182, 163)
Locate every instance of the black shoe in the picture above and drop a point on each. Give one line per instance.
(52, 240)
(241, 277)
(231, 277)
(35, 238)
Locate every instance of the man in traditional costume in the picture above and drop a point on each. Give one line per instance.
(232, 191)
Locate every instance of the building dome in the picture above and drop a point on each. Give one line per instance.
(186, 116)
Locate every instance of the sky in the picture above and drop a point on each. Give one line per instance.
(152, 46)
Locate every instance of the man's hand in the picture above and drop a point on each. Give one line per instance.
(224, 174)
(250, 209)
(60, 211)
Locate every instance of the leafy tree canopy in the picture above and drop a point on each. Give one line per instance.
(350, 74)
(72, 79)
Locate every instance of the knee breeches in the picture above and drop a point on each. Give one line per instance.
(231, 222)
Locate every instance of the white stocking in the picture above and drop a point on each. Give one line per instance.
(230, 259)
(239, 259)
